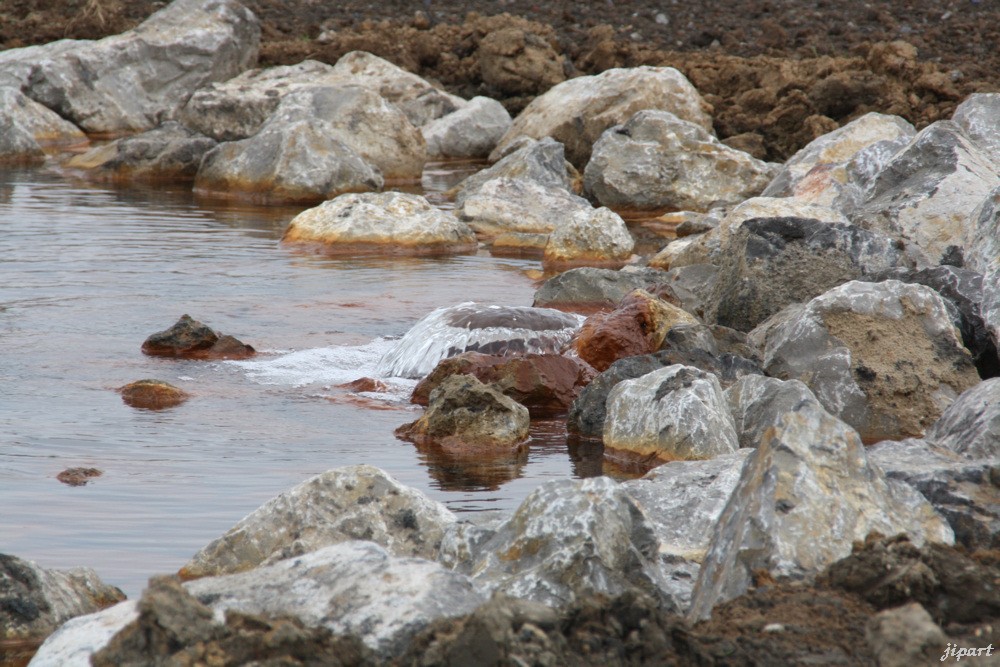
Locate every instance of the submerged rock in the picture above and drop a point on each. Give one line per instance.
(78, 476)
(171, 151)
(190, 339)
(590, 237)
(472, 131)
(152, 394)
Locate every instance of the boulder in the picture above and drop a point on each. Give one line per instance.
(519, 244)
(169, 152)
(884, 357)
(78, 476)
(805, 494)
(674, 413)
(595, 236)
(340, 505)
(656, 161)
(22, 117)
(472, 327)
(152, 394)
(586, 289)
(541, 162)
(34, 601)
(926, 194)
(637, 326)
(472, 131)
(384, 223)
(136, 80)
(546, 384)
(981, 247)
(190, 339)
(76, 640)
(504, 205)
(692, 285)
(769, 263)
(756, 403)
(466, 416)
(514, 62)
(979, 117)
(576, 112)
(17, 144)
(970, 426)
(905, 636)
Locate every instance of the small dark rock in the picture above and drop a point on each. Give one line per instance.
(190, 339)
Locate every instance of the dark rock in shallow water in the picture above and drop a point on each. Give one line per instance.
(152, 394)
(171, 151)
(78, 476)
(190, 339)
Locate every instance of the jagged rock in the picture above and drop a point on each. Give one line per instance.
(542, 162)
(637, 326)
(692, 285)
(170, 151)
(689, 338)
(26, 127)
(34, 601)
(979, 117)
(17, 144)
(595, 236)
(546, 384)
(190, 339)
(472, 327)
(152, 394)
(905, 636)
(578, 111)
(517, 205)
(769, 263)
(884, 357)
(971, 425)
(926, 194)
(136, 80)
(657, 161)
(343, 504)
(388, 223)
(756, 403)
(805, 494)
(472, 131)
(468, 417)
(674, 413)
(514, 62)
(586, 288)
(981, 246)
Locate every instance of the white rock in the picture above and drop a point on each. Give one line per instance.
(507, 204)
(597, 236)
(541, 162)
(979, 117)
(42, 124)
(472, 131)
(73, 643)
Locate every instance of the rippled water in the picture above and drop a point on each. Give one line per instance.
(88, 272)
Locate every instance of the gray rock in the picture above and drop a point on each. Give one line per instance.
(693, 286)
(511, 205)
(588, 287)
(905, 636)
(17, 144)
(657, 161)
(927, 193)
(769, 263)
(29, 126)
(576, 112)
(990, 306)
(542, 162)
(136, 80)
(674, 413)
(352, 503)
(805, 494)
(690, 337)
(981, 244)
(594, 236)
(884, 357)
(971, 425)
(979, 117)
(472, 131)
(171, 151)
(757, 403)
(963, 490)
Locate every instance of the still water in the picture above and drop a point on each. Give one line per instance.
(87, 272)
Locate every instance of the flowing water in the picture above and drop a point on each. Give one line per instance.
(89, 271)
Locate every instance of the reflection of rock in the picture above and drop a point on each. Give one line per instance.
(190, 339)
(152, 394)
(475, 473)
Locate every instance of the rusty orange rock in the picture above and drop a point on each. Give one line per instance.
(152, 394)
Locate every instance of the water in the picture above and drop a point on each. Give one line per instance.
(89, 271)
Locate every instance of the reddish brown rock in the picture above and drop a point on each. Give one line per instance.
(637, 326)
(190, 339)
(152, 394)
(78, 476)
(366, 384)
(546, 384)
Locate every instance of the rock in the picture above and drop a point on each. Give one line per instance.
(971, 425)
(152, 394)
(962, 490)
(770, 263)
(472, 131)
(507, 204)
(541, 162)
(471, 327)
(691, 285)
(981, 250)
(546, 384)
(136, 80)
(385, 223)
(905, 636)
(756, 403)
(674, 413)
(343, 504)
(587, 289)
(590, 237)
(578, 111)
(637, 326)
(78, 476)
(979, 117)
(514, 62)
(656, 161)
(884, 357)
(571, 539)
(73, 644)
(466, 416)
(927, 192)
(28, 127)
(169, 152)
(519, 244)
(17, 145)
(190, 339)
(34, 601)
(690, 338)
(805, 494)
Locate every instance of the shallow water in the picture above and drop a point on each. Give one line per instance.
(89, 271)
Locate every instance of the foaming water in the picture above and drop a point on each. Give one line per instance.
(90, 271)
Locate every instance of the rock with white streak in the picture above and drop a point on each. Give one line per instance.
(73, 644)
(541, 162)
(472, 131)
(804, 496)
(656, 161)
(979, 117)
(756, 403)
(594, 237)
(352, 503)
(970, 426)
(388, 222)
(504, 205)
(26, 117)
(884, 357)
(981, 240)
(578, 111)
(136, 80)
(170, 151)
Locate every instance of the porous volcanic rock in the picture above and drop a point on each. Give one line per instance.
(152, 394)
(190, 339)
(168, 152)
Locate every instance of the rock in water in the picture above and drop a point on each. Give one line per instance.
(472, 327)
(152, 394)
(190, 339)
(170, 151)
(590, 237)
(26, 127)
(504, 205)
(541, 162)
